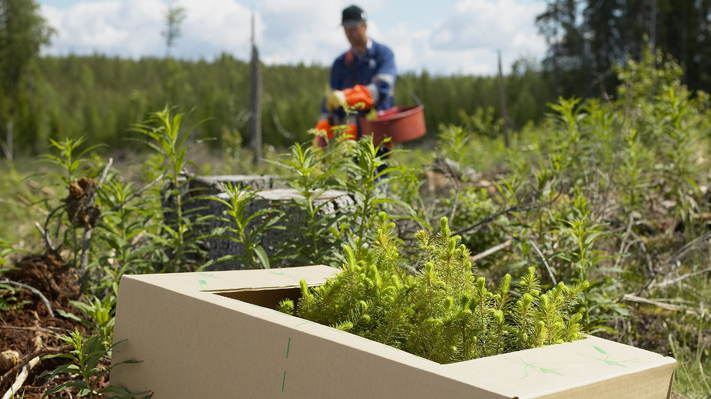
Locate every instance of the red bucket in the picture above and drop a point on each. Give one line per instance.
(402, 124)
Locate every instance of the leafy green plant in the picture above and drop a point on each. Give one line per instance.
(358, 168)
(634, 180)
(101, 317)
(68, 159)
(368, 178)
(445, 312)
(243, 228)
(6, 250)
(679, 153)
(311, 179)
(85, 361)
(165, 137)
(125, 231)
(9, 300)
(483, 122)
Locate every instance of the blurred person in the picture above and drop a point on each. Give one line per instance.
(365, 74)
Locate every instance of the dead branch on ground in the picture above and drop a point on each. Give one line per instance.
(33, 290)
(491, 250)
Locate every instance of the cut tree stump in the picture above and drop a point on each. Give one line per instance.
(201, 186)
(273, 240)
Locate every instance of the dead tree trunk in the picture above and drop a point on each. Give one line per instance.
(256, 142)
(502, 98)
(7, 145)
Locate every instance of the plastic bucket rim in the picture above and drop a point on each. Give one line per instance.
(408, 110)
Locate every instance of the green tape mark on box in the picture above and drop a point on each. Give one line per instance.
(526, 366)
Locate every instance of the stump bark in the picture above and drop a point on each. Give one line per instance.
(280, 199)
(194, 207)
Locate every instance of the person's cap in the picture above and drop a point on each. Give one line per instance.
(353, 16)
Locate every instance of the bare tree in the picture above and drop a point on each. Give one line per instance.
(256, 142)
(174, 17)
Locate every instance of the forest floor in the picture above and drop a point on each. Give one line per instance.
(32, 331)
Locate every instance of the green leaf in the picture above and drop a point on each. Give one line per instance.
(262, 255)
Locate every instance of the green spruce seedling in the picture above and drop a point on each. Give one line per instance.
(445, 312)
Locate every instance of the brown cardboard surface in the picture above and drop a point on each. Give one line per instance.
(197, 341)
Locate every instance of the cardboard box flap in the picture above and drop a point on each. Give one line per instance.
(541, 372)
(240, 280)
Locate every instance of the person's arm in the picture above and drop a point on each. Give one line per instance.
(335, 83)
(383, 83)
(324, 124)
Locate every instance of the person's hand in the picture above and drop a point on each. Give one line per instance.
(335, 100)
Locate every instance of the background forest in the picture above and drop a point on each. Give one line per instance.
(98, 96)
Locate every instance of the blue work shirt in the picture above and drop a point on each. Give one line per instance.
(375, 70)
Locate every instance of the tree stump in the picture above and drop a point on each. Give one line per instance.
(279, 199)
(194, 207)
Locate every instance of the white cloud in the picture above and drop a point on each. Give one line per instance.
(466, 40)
(114, 27)
(292, 31)
(212, 27)
(504, 24)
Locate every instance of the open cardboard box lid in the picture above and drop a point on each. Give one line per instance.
(205, 335)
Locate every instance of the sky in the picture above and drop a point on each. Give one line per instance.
(441, 36)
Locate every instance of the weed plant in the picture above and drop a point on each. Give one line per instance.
(85, 362)
(244, 228)
(163, 129)
(8, 298)
(100, 317)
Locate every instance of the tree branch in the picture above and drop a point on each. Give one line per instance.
(34, 291)
(684, 277)
(86, 239)
(139, 192)
(21, 377)
(27, 359)
(491, 250)
(663, 305)
(521, 207)
(47, 241)
(545, 262)
(46, 237)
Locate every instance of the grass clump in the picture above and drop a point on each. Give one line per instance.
(444, 312)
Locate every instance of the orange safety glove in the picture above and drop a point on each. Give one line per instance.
(320, 141)
(358, 94)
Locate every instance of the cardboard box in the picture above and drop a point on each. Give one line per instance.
(214, 335)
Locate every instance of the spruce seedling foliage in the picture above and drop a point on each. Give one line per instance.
(445, 312)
